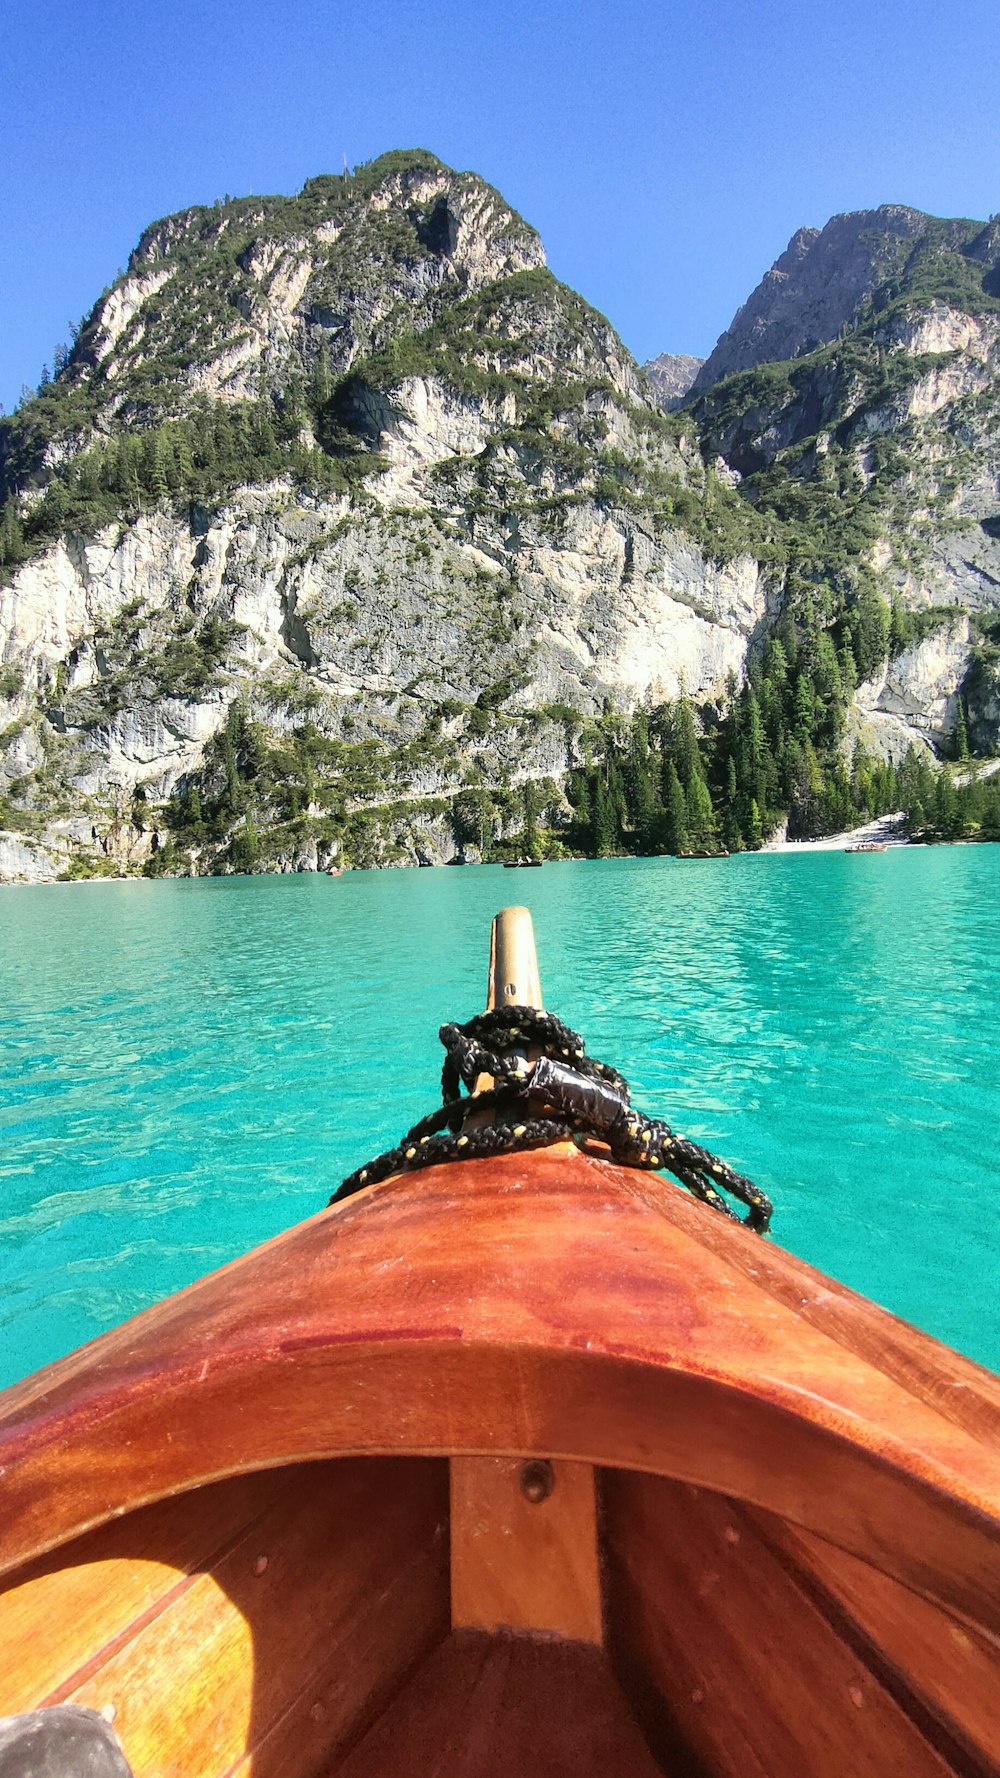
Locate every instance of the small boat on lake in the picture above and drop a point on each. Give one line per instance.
(526, 1464)
(868, 846)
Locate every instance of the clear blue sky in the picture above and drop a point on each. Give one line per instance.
(665, 151)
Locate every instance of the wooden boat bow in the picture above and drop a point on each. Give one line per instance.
(545, 1306)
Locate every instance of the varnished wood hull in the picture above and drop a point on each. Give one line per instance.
(279, 1523)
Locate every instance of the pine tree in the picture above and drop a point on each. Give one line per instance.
(863, 793)
(88, 479)
(945, 805)
(700, 815)
(244, 847)
(805, 815)
(579, 792)
(826, 671)
(848, 673)
(321, 384)
(234, 784)
(11, 536)
(775, 662)
(752, 733)
(128, 473)
(898, 628)
(870, 623)
(603, 823)
(183, 444)
(804, 708)
(647, 814)
(532, 846)
(55, 506)
(961, 748)
(154, 475)
(684, 750)
(675, 834)
(731, 834)
(640, 788)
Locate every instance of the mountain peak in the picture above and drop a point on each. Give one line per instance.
(670, 376)
(823, 279)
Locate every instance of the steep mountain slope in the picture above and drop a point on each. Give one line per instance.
(346, 532)
(235, 301)
(824, 278)
(341, 508)
(881, 448)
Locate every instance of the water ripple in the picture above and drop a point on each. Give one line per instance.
(188, 1067)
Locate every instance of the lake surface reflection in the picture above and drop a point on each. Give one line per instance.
(188, 1067)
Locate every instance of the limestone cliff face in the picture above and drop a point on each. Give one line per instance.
(856, 396)
(916, 409)
(350, 475)
(916, 692)
(373, 473)
(369, 615)
(885, 446)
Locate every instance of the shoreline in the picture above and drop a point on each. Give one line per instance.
(887, 831)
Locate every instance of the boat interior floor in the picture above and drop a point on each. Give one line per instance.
(496, 1706)
(356, 1617)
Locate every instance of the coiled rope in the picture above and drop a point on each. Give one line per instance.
(562, 1094)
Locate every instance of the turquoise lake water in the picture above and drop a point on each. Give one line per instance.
(188, 1067)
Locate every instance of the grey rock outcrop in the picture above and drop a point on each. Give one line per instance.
(915, 697)
(245, 295)
(815, 288)
(365, 607)
(670, 377)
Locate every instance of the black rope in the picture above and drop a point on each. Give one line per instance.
(562, 1094)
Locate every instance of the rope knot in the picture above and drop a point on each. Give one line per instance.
(571, 1096)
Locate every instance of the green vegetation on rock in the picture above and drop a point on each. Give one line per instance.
(368, 630)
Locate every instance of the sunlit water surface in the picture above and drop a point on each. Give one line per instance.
(188, 1067)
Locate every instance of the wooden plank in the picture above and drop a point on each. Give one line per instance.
(540, 1304)
(389, 1633)
(200, 1689)
(280, 1647)
(60, 1614)
(707, 1621)
(503, 1706)
(952, 1385)
(952, 1668)
(523, 1564)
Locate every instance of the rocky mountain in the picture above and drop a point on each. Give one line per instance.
(346, 532)
(825, 277)
(880, 446)
(670, 377)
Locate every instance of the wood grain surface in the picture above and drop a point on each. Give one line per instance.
(520, 1564)
(505, 1707)
(730, 1657)
(544, 1304)
(941, 1665)
(259, 1624)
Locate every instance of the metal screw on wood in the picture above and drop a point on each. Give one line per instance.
(537, 1480)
